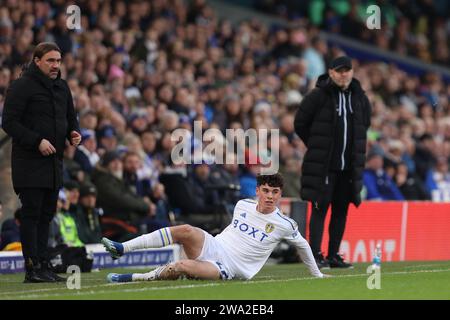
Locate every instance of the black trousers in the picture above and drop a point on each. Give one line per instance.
(338, 194)
(38, 210)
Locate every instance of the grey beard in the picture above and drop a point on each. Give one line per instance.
(118, 174)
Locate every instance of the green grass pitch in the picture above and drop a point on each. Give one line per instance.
(401, 280)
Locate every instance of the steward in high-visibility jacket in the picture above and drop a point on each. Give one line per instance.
(68, 229)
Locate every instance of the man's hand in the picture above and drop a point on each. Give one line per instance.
(152, 210)
(75, 138)
(46, 148)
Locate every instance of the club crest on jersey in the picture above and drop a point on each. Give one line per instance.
(269, 227)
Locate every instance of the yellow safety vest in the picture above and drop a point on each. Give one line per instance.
(68, 229)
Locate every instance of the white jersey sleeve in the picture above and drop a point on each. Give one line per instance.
(295, 238)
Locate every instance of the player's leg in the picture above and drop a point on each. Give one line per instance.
(190, 237)
(190, 268)
(203, 270)
(157, 239)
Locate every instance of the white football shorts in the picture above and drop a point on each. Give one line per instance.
(213, 252)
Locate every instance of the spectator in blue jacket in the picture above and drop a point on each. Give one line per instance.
(378, 183)
(438, 181)
(247, 179)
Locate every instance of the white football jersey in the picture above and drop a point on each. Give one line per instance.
(251, 237)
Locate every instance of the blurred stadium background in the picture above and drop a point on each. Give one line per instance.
(138, 70)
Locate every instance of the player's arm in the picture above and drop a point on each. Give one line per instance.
(296, 239)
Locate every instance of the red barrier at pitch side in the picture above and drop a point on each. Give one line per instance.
(407, 231)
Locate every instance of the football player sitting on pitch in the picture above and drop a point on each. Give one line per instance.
(239, 252)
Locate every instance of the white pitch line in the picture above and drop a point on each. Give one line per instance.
(425, 265)
(63, 286)
(190, 286)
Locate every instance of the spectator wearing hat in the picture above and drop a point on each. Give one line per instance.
(379, 185)
(63, 229)
(87, 215)
(332, 120)
(107, 138)
(138, 121)
(86, 154)
(72, 189)
(185, 122)
(123, 209)
(262, 115)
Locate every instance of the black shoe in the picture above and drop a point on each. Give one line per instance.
(338, 262)
(47, 271)
(33, 272)
(35, 276)
(321, 262)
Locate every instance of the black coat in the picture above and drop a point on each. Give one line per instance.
(116, 199)
(88, 224)
(316, 123)
(37, 107)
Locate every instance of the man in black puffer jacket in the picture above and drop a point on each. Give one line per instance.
(332, 120)
(39, 116)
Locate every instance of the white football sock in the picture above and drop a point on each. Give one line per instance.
(156, 239)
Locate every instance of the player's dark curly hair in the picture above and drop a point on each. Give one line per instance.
(274, 180)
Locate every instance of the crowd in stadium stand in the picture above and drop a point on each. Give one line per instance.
(138, 70)
(417, 28)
